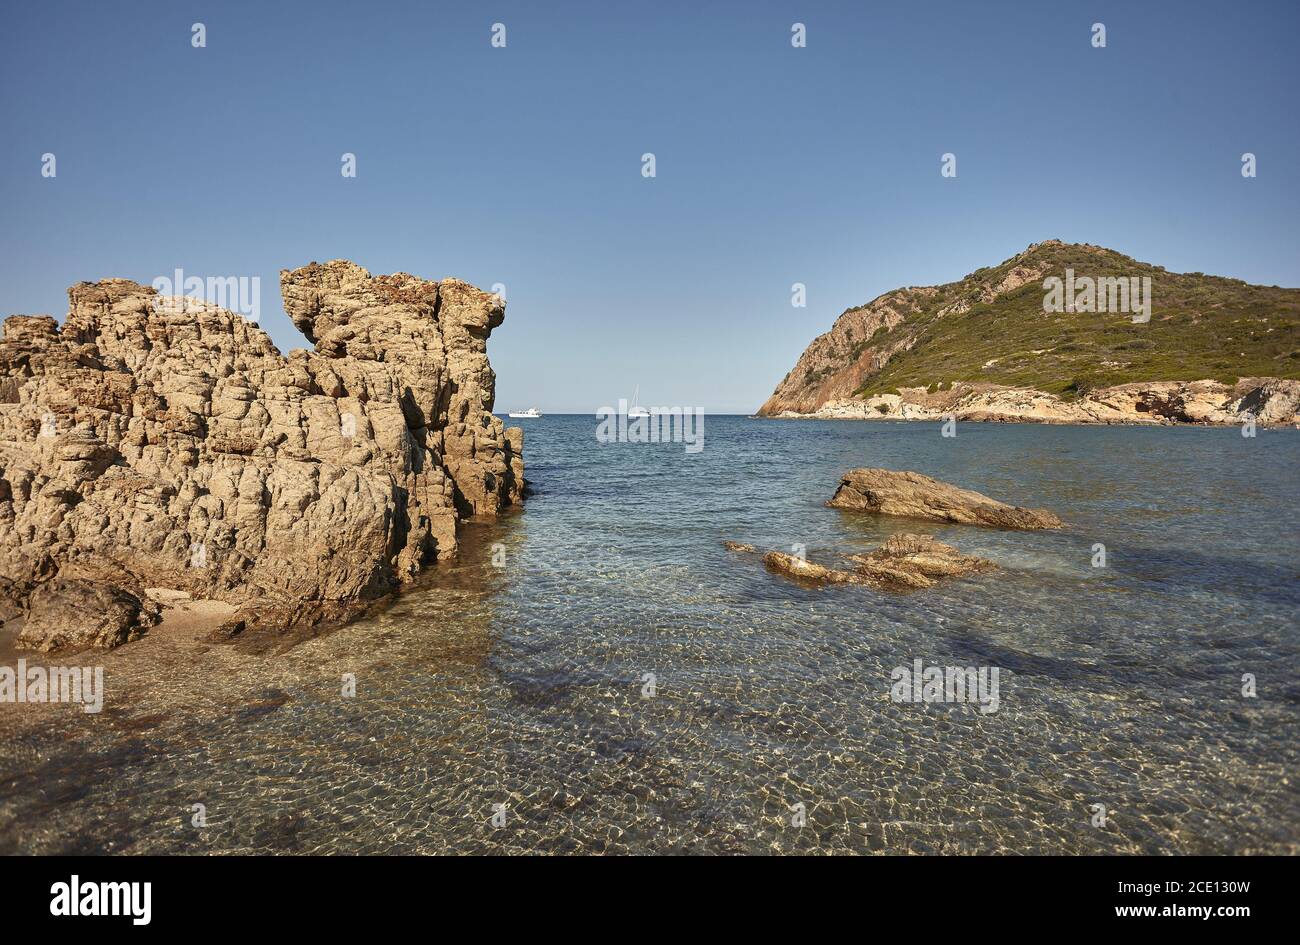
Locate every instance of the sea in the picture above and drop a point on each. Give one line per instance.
(596, 673)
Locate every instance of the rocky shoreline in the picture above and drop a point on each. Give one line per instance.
(161, 449)
(1267, 402)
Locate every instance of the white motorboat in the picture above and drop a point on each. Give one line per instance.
(532, 413)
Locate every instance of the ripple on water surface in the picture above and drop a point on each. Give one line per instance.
(525, 686)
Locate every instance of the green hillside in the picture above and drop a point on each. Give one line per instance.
(1201, 327)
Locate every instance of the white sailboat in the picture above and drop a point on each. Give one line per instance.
(532, 413)
(635, 410)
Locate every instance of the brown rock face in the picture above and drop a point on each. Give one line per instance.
(79, 614)
(166, 442)
(910, 494)
(837, 362)
(863, 340)
(802, 570)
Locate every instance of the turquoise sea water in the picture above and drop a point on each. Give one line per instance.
(524, 685)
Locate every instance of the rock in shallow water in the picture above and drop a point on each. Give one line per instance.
(910, 494)
(903, 562)
(165, 442)
(916, 561)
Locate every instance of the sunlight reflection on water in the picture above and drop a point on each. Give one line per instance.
(522, 686)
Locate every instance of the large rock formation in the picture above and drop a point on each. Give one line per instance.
(912, 495)
(165, 442)
(987, 347)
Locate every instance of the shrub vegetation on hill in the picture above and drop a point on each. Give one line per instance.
(1201, 327)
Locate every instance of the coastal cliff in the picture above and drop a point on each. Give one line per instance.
(1207, 349)
(164, 443)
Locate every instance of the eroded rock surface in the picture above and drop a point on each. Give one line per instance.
(803, 570)
(74, 614)
(910, 561)
(904, 562)
(910, 494)
(165, 442)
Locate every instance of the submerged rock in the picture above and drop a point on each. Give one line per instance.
(739, 547)
(916, 561)
(165, 442)
(804, 570)
(226, 630)
(910, 494)
(903, 562)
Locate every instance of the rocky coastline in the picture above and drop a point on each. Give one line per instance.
(1266, 402)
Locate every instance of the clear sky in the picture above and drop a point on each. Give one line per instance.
(522, 165)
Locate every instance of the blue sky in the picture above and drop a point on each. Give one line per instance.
(522, 165)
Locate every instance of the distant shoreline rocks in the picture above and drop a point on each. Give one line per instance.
(993, 346)
(1267, 402)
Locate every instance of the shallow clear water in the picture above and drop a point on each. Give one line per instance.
(523, 685)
